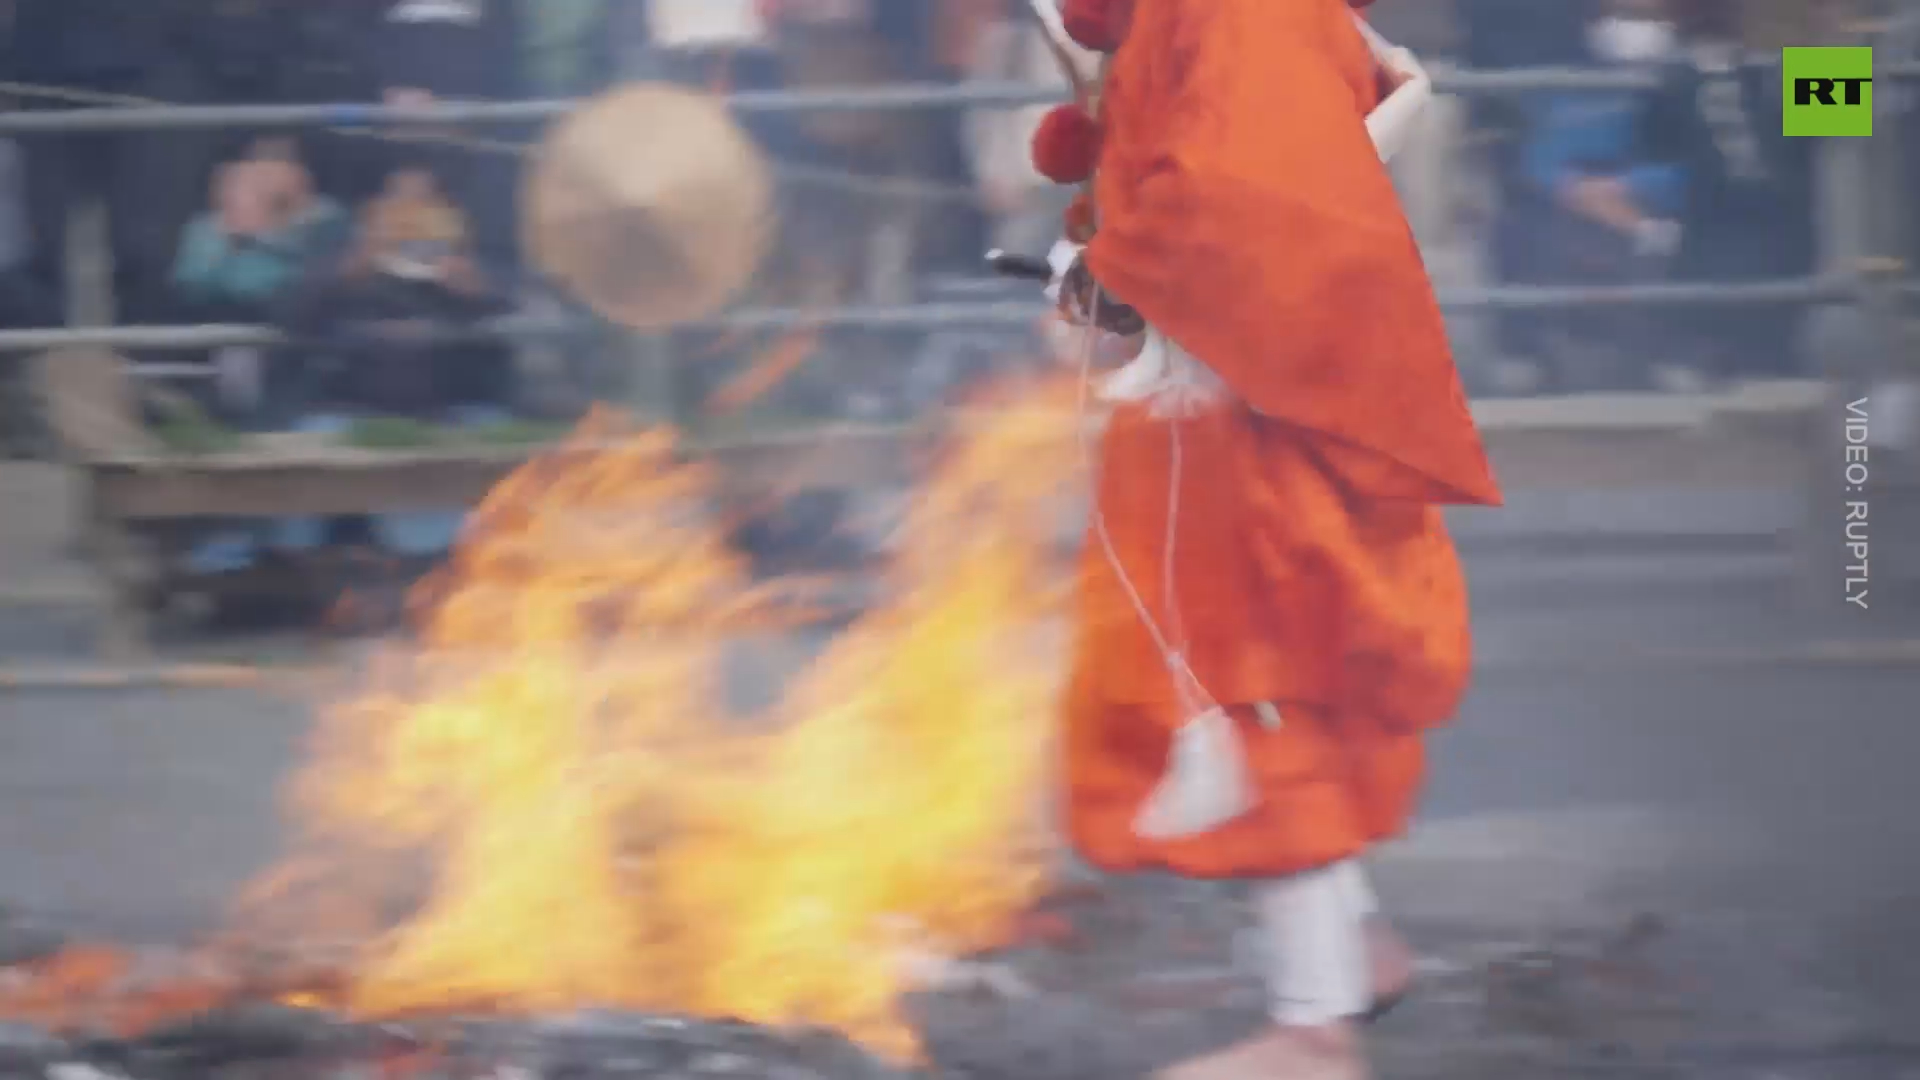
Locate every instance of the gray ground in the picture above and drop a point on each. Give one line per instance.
(1652, 740)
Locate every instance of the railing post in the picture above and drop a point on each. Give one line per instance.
(1895, 332)
(651, 382)
(101, 536)
(1858, 347)
(89, 263)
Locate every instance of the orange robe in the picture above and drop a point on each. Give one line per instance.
(1245, 213)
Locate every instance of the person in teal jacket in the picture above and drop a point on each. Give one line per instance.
(265, 226)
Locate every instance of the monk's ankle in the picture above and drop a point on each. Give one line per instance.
(1391, 959)
(1338, 1038)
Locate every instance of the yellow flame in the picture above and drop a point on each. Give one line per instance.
(594, 828)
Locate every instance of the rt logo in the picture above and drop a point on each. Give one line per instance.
(1827, 91)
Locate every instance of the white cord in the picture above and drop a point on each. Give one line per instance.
(1189, 691)
(1388, 127)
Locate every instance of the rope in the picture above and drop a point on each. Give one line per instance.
(1190, 693)
(879, 186)
(78, 96)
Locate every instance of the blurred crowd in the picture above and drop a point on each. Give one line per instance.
(355, 240)
(379, 250)
(1686, 178)
(306, 229)
(1690, 181)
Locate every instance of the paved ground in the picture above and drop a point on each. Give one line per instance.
(1761, 801)
(1762, 813)
(140, 809)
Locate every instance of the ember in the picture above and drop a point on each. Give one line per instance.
(542, 804)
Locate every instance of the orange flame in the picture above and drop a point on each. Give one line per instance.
(106, 990)
(600, 830)
(766, 371)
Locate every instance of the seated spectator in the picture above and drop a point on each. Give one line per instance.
(1747, 214)
(412, 232)
(1500, 35)
(264, 227)
(409, 275)
(1604, 210)
(243, 255)
(1587, 145)
(427, 51)
(383, 304)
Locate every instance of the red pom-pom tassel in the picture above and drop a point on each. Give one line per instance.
(1066, 146)
(1099, 25)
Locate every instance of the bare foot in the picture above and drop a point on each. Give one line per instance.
(1330, 1052)
(1391, 960)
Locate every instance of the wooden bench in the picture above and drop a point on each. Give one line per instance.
(131, 481)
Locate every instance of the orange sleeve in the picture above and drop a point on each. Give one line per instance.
(1245, 213)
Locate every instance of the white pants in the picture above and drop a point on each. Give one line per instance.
(1316, 959)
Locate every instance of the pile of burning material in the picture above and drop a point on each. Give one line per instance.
(542, 802)
(1096, 981)
(1113, 978)
(253, 1042)
(540, 843)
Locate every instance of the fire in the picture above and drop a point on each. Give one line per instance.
(550, 787)
(107, 990)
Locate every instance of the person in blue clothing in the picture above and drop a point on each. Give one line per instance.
(239, 259)
(1500, 35)
(1605, 210)
(1588, 146)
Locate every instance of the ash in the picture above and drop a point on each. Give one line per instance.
(1128, 976)
(264, 1041)
(1113, 979)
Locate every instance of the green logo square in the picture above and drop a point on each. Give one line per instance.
(1826, 91)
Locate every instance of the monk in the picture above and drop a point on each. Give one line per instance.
(1271, 613)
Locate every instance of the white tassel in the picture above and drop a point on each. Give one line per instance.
(1206, 785)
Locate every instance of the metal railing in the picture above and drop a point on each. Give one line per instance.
(1846, 224)
(1807, 291)
(852, 99)
(1855, 279)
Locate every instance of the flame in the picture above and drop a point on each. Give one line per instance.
(599, 829)
(543, 802)
(766, 371)
(111, 991)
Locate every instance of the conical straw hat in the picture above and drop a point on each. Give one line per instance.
(650, 203)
